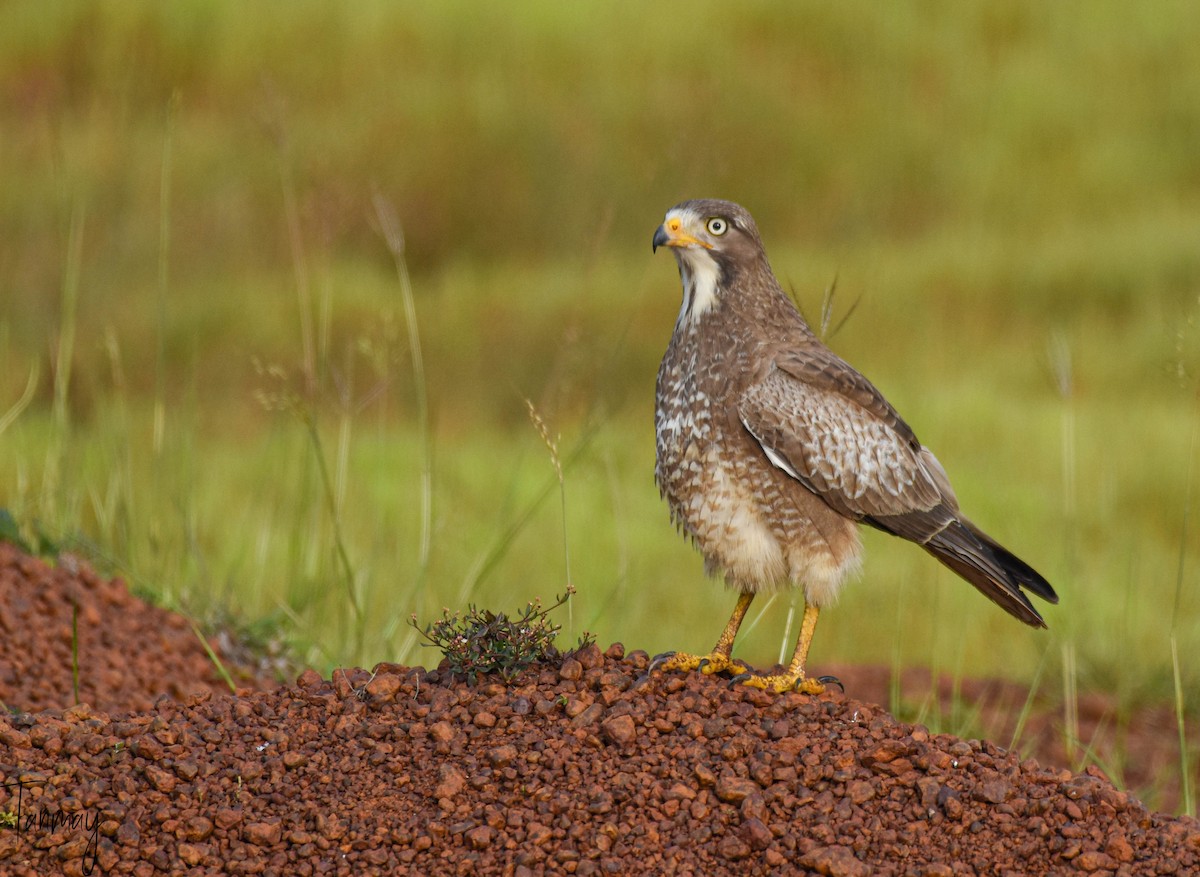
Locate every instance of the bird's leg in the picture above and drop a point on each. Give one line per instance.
(718, 660)
(793, 678)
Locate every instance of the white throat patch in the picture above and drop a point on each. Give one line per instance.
(700, 273)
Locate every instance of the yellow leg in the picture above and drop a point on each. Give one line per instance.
(793, 678)
(718, 660)
(724, 644)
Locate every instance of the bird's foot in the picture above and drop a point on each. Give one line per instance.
(782, 682)
(713, 662)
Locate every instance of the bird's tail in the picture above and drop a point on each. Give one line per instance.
(998, 573)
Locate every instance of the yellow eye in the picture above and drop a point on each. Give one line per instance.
(717, 226)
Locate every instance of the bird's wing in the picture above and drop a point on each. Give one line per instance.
(823, 423)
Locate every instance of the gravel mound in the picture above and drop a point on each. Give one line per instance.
(577, 769)
(129, 653)
(586, 767)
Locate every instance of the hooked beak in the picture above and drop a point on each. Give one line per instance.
(672, 234)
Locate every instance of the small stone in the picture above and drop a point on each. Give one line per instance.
(589, 716)
(1119, 848)
(755, 832)
(190, 854)
(383, 687)
(480, 837)
(733, 847)
(13, 738)
(835, 861)
(537, 834)
(197, 828)
(309, 680)
(570, 670)
(734, 789)
(502, 756)
(619, 729)
(451, 781)
(600, 804)
(993, 790)
(886, 751)
(679, 792)
(589, 656)
(950, 802)
(129, 835)
(263, 834)
(227, 817)
(1094, 860)
(860, 792)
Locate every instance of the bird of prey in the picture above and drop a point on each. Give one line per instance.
(771, 450)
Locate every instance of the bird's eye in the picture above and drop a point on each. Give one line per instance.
(717, 226)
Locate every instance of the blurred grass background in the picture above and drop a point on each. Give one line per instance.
(193, 270)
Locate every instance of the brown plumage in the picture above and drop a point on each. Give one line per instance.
(771, 449)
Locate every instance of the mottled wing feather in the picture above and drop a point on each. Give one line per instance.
(823, 369)
(839, 437)
(856, 460)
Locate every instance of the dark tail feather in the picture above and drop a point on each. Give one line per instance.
(1026, 575)
(996, 572)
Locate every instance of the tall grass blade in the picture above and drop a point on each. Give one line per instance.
(10, 416)
(393, 236)
(164, 250)
(216, 661)
(1185, 761)
(1070, 700)
(551, 444)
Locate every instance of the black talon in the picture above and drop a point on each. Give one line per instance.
(704, 662)
(739, 678)
(658, 660)
(832, 680)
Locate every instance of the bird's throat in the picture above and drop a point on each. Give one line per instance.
(701, 276)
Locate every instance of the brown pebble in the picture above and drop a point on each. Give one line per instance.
(480, 838)
(384, 686)
(197, 828)
(734, 789)
(620, 730)
(262, 834)
(1094, 860)
(451, 781)
(835, 861)
(733, 847)
(756, 833)
(190, 854)
(227, 817)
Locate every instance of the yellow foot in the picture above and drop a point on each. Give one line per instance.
(782, 683)
(714, 662)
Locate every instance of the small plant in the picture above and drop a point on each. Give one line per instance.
(8, 819)
(481, 642)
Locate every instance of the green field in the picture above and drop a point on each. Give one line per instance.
(200, 314)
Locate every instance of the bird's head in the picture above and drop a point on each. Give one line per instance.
(713, 241)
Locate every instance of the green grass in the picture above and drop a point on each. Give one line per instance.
(195, 225)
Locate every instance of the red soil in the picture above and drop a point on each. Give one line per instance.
(576, 768)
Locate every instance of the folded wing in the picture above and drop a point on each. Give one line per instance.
(824, 424)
